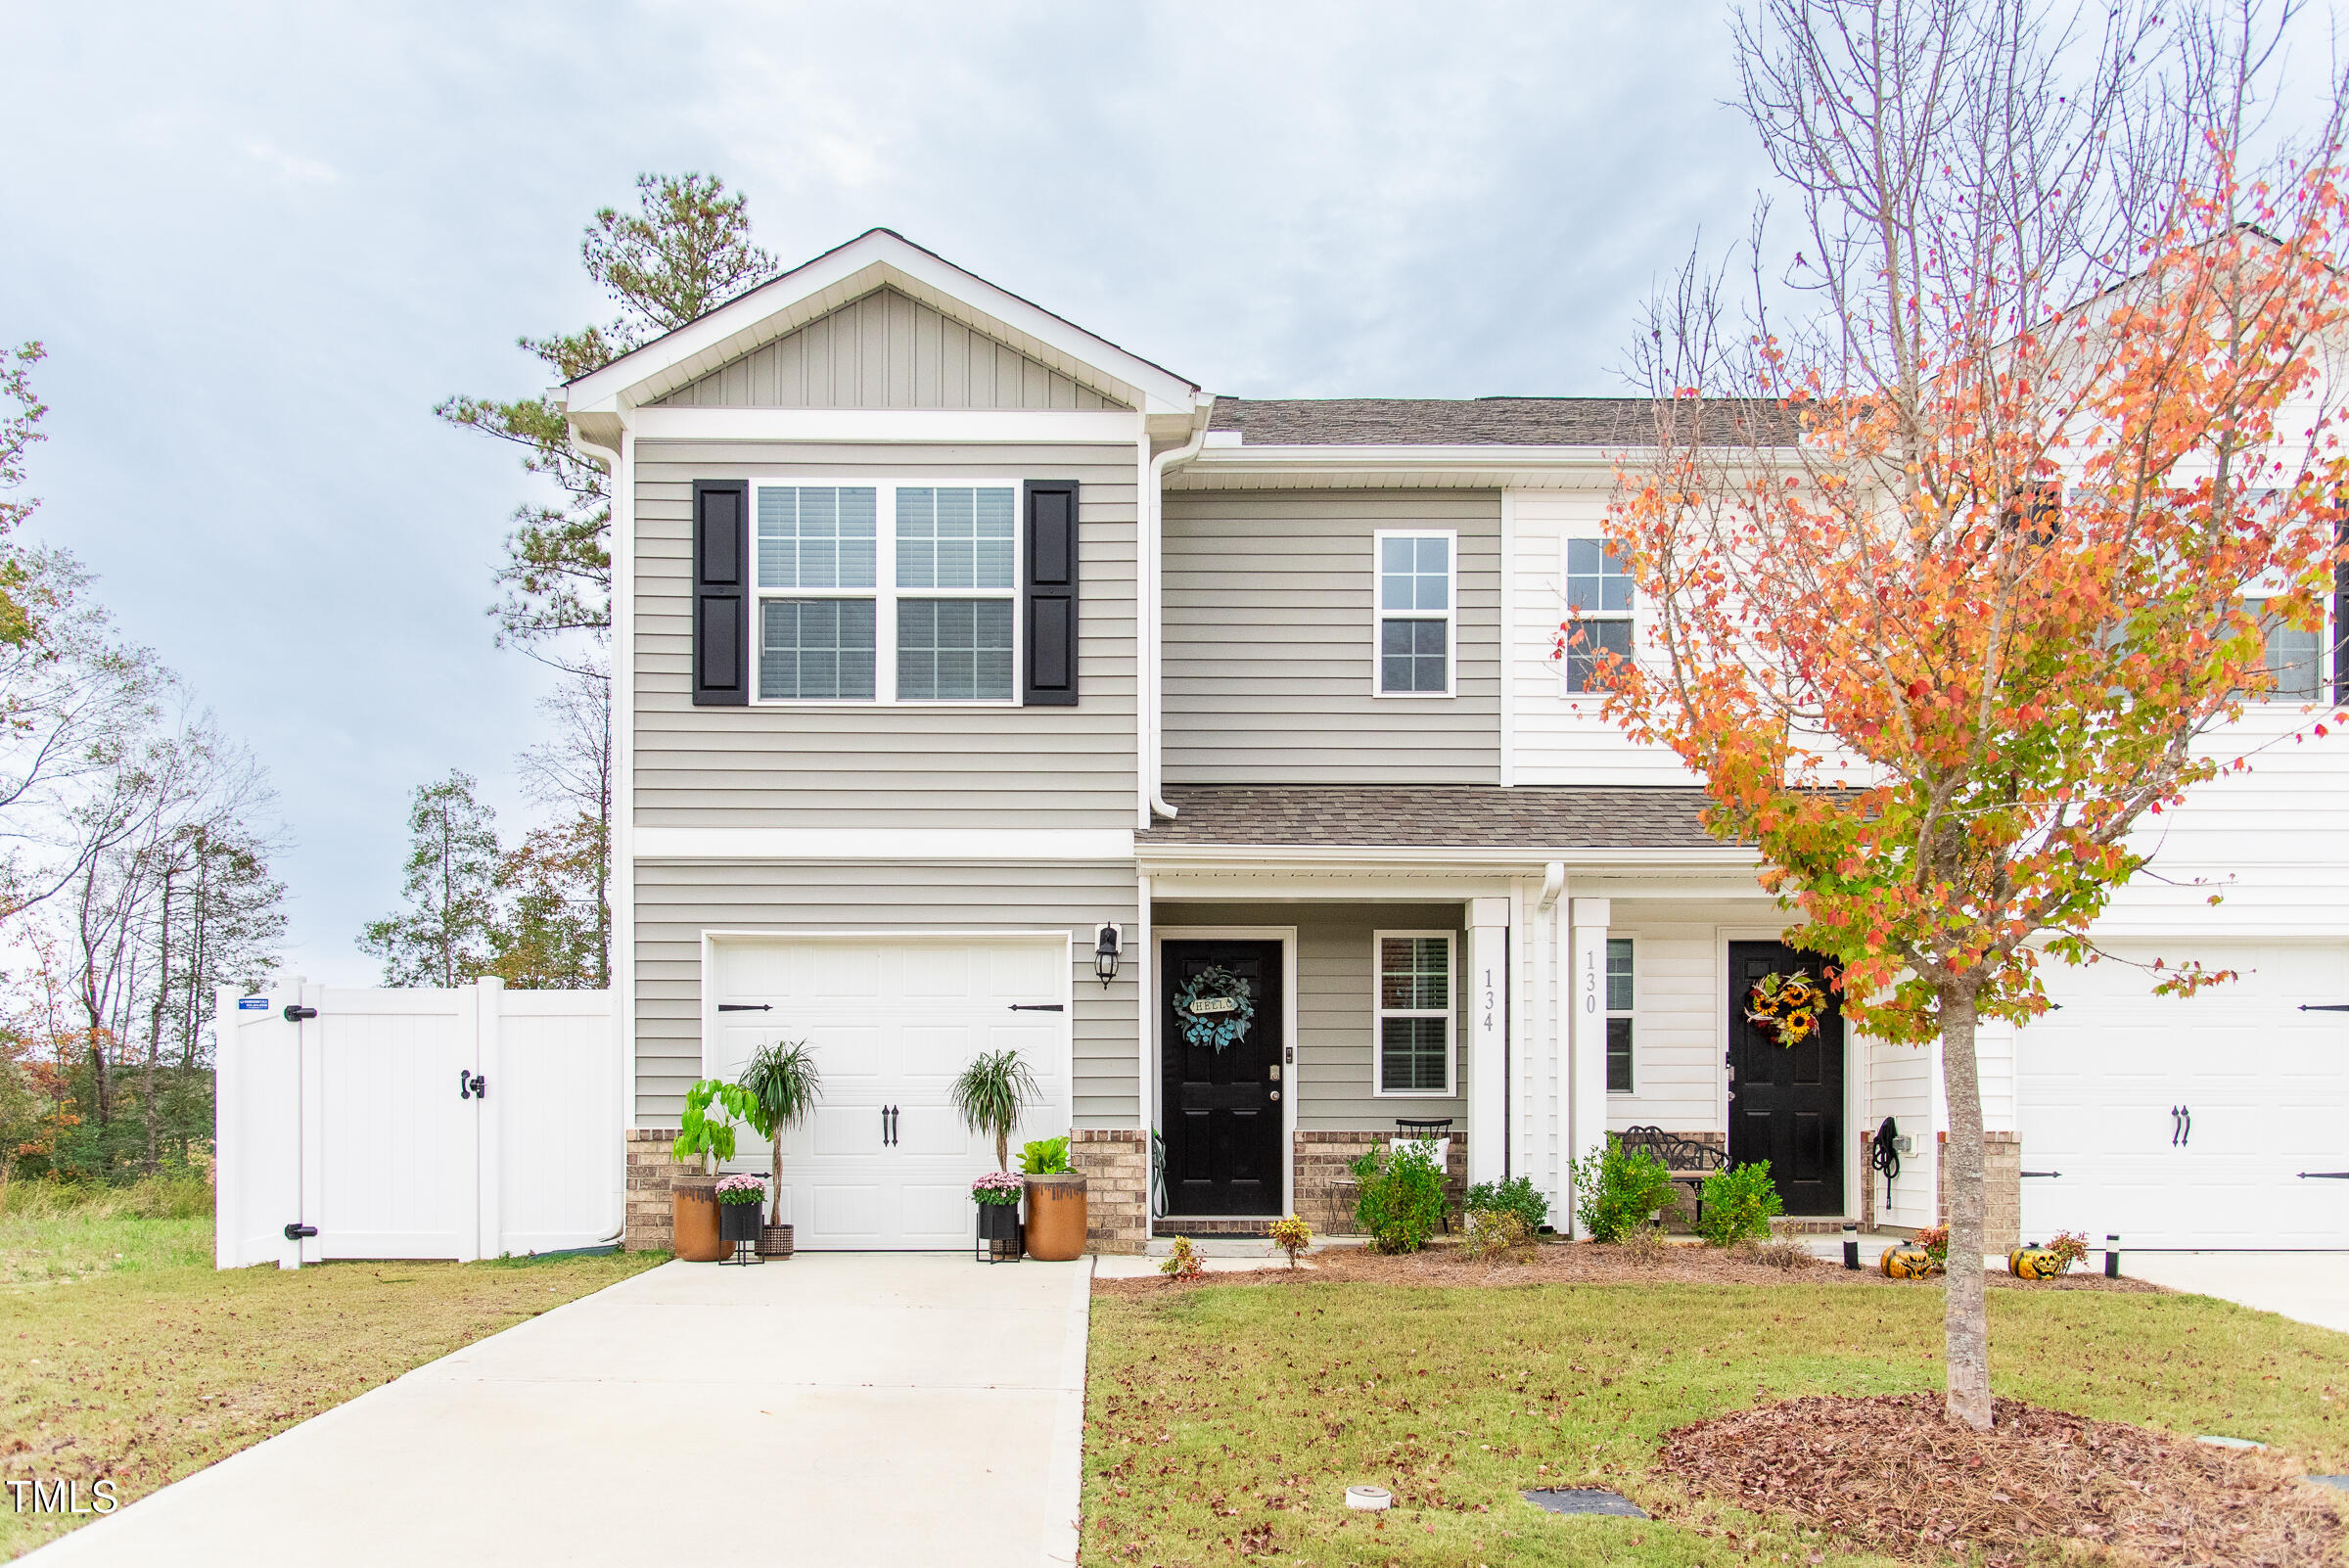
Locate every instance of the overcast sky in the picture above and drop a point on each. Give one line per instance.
(261, 241)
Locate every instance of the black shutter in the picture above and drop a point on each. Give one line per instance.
(721, 601)
(1051, 587)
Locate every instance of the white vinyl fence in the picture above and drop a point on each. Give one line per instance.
(463, 1124)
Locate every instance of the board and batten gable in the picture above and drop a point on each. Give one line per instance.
(886, 350)
(866, 765)
(677, 902)
(1270, 626)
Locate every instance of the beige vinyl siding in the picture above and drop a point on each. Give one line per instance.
(886, 350)
(676, 902)
(1336, 1027)
(869, 765)
(1270, 637)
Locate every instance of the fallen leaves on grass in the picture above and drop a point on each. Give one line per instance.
(1891, 1473)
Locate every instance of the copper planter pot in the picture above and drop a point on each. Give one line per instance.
(693, 1219)
(1056, 1218)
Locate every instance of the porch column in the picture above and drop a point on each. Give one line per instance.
(1587, 1040)
(1488, 1039)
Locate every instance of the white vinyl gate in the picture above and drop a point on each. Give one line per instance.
(466, 1123)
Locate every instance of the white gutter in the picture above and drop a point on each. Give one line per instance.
(1153, 499)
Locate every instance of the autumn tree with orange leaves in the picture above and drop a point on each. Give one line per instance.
(1953, 574)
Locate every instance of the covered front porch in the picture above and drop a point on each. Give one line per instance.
(1515, 1002)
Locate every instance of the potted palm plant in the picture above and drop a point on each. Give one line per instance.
(783, 1085)
(991, 1093)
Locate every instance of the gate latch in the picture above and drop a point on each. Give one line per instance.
(472, 1086)
(295, 1012)
(298, 1230)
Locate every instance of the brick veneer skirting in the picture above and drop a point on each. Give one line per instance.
(2002, 1190)
(1322, 1159)
(649, 1170)
(1116, 1165)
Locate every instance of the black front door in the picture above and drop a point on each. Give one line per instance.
(1220, 1104)
(1787, 1102)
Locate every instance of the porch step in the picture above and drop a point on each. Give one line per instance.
(1255, 1227)
(1807, 1226)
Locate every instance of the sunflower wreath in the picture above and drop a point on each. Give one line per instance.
(1788, 1006)
(1220, 1025)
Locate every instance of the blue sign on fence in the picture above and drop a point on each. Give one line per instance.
(252, 1004)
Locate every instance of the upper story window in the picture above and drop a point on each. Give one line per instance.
(2295, 660)
(1416, 602)
(1598, 613)
(930, 618)
(1414, 1013)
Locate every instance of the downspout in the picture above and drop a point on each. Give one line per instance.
(1153, 531)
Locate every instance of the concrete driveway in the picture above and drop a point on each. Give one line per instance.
(2311, 1286)
(881, 1409)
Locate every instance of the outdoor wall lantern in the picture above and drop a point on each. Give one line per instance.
(1105, 952)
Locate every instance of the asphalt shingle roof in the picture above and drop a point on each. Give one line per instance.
(1442, 421)
(1437, 815)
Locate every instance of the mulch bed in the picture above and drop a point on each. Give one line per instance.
(1892, 1474)
(1586, 1264)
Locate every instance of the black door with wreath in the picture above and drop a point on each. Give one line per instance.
(1787, 1102)
(1221, 1076)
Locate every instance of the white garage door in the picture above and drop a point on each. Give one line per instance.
(884, 1164)
(2188, 1124)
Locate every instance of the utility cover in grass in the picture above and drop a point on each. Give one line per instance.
(1585, 1499)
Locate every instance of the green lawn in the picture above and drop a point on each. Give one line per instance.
(1227, 1420)
(123, 1353)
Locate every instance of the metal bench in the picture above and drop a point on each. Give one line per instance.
(1688, 1160)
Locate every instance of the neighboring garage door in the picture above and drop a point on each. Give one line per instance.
(885, 1163)
(2189, 1123)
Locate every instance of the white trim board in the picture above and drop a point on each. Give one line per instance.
(934, 426)
(883, 844)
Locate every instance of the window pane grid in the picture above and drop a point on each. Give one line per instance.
(816, 649)
(817, 537)
(1415, 1015)
(1410, 655)
(1412, 1055)
(954, 537)
(1596, 581)
(1587, 643)
(953, 650)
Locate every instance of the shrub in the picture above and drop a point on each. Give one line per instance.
(1400, 1200)
(1739, 1201)
(1292, 1236)
(1517, 1196)
(1773, 1254)
(2070, 1247)
(1619, 1189)
(1499, 1234)
(1645, 1246)
(1182, 1261)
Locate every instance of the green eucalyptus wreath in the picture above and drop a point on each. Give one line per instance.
(1218, 1028)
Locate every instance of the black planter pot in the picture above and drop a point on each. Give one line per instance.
(740, 1221)
(1001, 1237)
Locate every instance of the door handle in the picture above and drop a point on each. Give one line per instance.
(472, 1086)
(2173, 1126)
(885, 1126)
(1277, 1094)
(2189, 1137)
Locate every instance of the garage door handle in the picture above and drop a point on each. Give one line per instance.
(1036, 1007)
(2188, 1136)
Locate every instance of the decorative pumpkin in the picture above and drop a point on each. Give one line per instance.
(1908, 1263)
(2035, 1262)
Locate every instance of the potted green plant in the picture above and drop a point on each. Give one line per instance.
(706, 1135)
(989, 1095)
(738, 1198)
(1057, 1217)
(783, 1085)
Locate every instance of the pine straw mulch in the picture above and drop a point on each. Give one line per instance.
(1583, 1263)
(1891, 1473)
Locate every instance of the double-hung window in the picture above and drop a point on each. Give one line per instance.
(926, 615)
(1620, 1007)
(1414, 1016)
(1598, 613)
(1417, 599)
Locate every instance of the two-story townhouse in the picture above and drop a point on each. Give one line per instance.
(981, 684)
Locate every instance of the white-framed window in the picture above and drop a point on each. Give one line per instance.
(1622, 1003)
(1598, 611)
(1417, 577)
(1412, 1033)
(879, 591)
